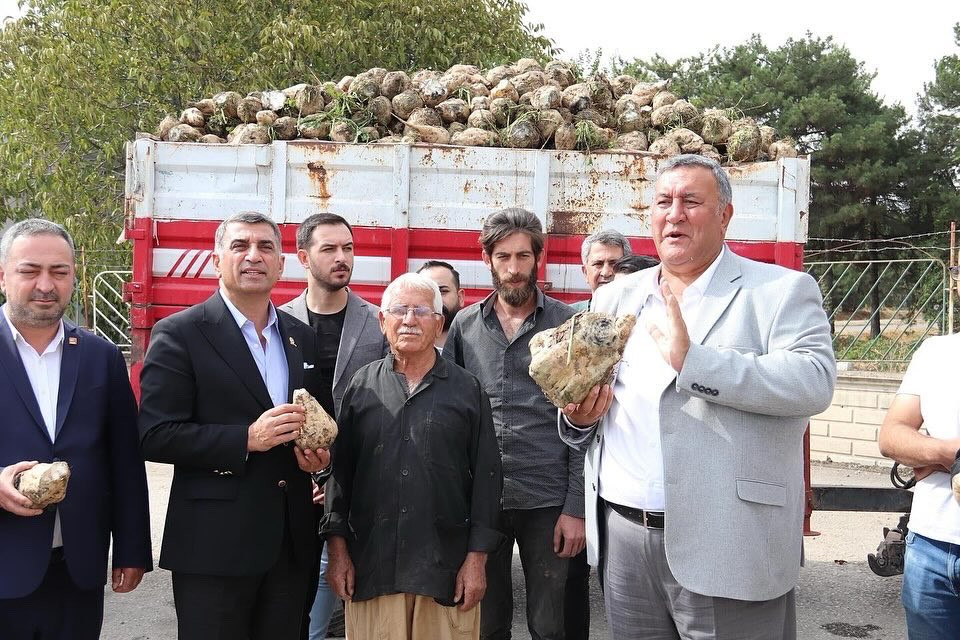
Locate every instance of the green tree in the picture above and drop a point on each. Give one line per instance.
(814, 91)
(78, 79)
(939, 136)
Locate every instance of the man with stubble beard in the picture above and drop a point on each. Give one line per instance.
(448, 280)
(348, 337)
(542, 484)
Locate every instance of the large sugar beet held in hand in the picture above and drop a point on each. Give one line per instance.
(319, 430)
(571, 359)
(44, 484)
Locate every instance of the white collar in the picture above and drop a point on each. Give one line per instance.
(241, 319)
(696, 289)
(17, 336)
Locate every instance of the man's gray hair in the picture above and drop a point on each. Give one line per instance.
(606, 237)
(412, 282)
(724, 190)
(33, 227)
(245, 217)
(506, 222)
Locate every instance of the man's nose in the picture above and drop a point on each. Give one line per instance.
(253, 254)
(45, 282)
(675, 212)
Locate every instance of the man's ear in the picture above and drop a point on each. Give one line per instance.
(461, 297)
(726, 215)
(485, 256)
(302, 257)
(215, 261)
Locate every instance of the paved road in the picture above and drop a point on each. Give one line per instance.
(838, 596)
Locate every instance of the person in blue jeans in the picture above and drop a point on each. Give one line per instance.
(928, 399)
(323, 604)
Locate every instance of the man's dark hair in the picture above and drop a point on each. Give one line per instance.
(32, 227)
(305, 230)
(246, 217)
(430, 264)
(505, 222)
(634, 263)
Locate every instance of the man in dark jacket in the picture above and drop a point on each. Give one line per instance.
(215, 402)
(413, 502)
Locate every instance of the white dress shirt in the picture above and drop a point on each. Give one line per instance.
(631, 463)
(270, 355)
(43, 372)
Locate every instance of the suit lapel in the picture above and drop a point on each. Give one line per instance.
(69, 369)
(298, 308)
(221, 330)
(353, 324)
(295, 358)
(720, 292)
(10, 359)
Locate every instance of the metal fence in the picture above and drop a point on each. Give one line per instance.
(881, 310)
(110, 314)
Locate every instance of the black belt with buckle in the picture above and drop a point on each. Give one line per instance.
(649, 519)
(56, 555)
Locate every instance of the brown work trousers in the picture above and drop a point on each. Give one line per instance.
(406, 616)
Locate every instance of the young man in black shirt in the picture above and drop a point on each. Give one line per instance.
(348, 337)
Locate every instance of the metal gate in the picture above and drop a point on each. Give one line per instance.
(111, 315)
(881, 310)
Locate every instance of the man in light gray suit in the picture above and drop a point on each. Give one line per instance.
(694, 467)
(348, 337)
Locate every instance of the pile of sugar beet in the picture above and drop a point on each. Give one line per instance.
(522, 105)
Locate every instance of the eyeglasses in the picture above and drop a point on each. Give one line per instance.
(401, 311)
(954, 273)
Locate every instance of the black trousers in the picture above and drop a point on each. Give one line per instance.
(57, 610)
(576, 605)
(268, 606)
(545, 577)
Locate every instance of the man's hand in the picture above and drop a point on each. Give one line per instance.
(674, 340)
(339, 568)
(569, 536)
(12, 500)
(312, 461)
(471, 581)
(275, 426)
(592, 407)
(919, 473)
(126, 579)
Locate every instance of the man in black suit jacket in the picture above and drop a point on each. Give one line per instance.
(65, 396)
(215, 391)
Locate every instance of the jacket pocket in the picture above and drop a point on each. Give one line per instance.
(761, 492)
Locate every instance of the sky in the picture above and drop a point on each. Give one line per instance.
(899, 41)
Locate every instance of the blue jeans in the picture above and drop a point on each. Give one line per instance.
(931, 588)
(323, 603)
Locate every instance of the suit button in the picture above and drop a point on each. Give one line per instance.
(282, 484)
(694, 386)
(404, 472)
(714, 392)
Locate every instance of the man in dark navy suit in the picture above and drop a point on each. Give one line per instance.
(240, 535)
(65, 396)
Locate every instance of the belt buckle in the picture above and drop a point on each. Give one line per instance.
(646, 518)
